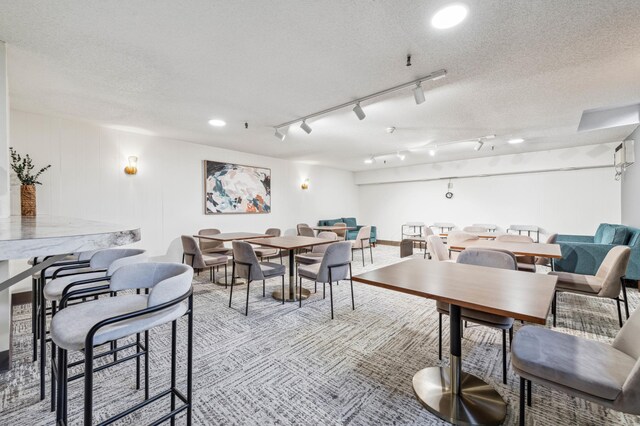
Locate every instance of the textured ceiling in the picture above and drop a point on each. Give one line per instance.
(515, 69)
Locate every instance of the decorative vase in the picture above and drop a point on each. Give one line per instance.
(28, 200)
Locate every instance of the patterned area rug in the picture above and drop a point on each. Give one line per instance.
(285, 365)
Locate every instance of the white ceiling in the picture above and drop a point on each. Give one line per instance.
(515, 69)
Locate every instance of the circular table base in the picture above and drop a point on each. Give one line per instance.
(239, 281)
(477, 404)
(278, 295)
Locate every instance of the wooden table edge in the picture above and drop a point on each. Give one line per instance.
(519, 253)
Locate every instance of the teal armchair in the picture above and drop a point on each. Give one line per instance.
(351, 222)
(583, 254)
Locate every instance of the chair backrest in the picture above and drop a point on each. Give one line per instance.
(209, 244)
(300, 225)
(167, 281)
(426, 231)
(274, 232)
(363, 238)
(192, 252)
(627, 341)
(112, 259)
(460, 236)
(544, 261)
(436, 248)
(612, 269)
(491, 258)
(551, 239)
(342, 233)
(305, 231)
(336, 254)
(243, 252)
(475, 228)
(323, 247)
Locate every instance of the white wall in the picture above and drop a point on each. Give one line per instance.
(165, 198)
(631, 187)
(559, 201)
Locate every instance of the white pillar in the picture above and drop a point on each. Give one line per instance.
(5, 203)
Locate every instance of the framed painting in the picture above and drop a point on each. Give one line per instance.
(235, 188)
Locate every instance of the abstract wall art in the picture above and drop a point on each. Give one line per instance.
(234, 188)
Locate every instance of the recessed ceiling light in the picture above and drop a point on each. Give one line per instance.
(449, 16)
(217, 123)
(515, 141)
(432, 151)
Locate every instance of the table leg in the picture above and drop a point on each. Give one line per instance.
(455, 396)
(292, 295)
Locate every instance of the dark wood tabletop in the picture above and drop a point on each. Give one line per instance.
(520, 295)
(551, 251)
(291, 242)
(232, 236)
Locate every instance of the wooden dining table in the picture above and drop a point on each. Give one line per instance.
(450, 393)
(550, 251)
(291, 243)
(481, 235)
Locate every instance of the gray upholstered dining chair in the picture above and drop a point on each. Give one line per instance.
(525, 263)
(437, 249)
(211, 246)
(335, 266)
(317, 252)
(492, 259)
(342, 233)
(246, 265)
(607, 374)
(362, 241)
(607, 283)
(300, 225)
(83, 327)
(198, 260)
(305, 231)
(545, 261)
(475, 228)
(267, 252)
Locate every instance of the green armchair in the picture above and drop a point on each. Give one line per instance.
(583, 254)
(351, 222)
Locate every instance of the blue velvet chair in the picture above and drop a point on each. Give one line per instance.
(351, 223)
(583, 254)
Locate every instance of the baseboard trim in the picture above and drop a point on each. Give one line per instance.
(22, 298)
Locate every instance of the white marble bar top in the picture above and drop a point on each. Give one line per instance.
(25, 237)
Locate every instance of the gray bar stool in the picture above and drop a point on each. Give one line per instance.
(101, 265)
(85, 326)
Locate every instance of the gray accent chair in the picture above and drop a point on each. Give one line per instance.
(102, 265)
(607, 283)
(525, 263)
(362, 241)
(246, 265)
(607, 374)
(268, 252)
(85, 326)
(437, 249)
(305, 231)
(198, 260)
(492, 259)
(301, 225)
(211, 246)
(335, 266)
(544, 261)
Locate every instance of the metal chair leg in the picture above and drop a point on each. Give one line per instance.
(554, 307)
(439, 336)
(362, 249)
(88, 384)
(371, 253)
(353, 303)
(626, 302)
(233, 280)
(264, 291)
(331, 296)
(619, 311)
(300, 292)
(504, 356)
(246, 310)
(529, 384)
(283, 289)
(522, 390)
(53, 363)
(174, 341)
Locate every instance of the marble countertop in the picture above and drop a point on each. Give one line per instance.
(24, 237)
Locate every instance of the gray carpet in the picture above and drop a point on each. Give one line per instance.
(284, 365)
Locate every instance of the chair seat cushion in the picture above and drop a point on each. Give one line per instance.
(478, 317)
(309, 271)
(217, 250)
(577, 282)
(54, 288)
(215, 259)
(270, 269)
(309, 258)
(70, 326)
(265, 251)
(588, 366)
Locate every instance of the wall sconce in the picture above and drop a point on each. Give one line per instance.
(132, 167)
(305, 184)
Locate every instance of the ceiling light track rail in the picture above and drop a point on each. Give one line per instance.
(436, 75)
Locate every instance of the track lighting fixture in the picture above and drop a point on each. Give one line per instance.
(279, 135)
(418, 94)
(479, 145)
(359, 112)
(304, 126)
